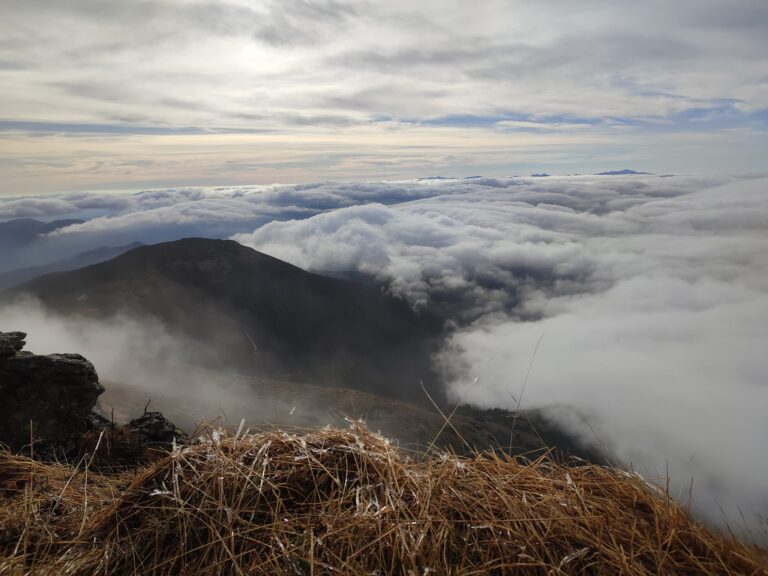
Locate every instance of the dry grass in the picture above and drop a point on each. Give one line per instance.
(347, 502)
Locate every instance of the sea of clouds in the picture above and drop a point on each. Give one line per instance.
(644, 298)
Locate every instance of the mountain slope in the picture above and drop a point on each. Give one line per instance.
(18, 234)
(266, 403)
(247, 311)
(19, 276)
(14, 233)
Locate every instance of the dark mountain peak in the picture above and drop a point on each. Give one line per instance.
(540, 175)
(625, 172)
(21, 231)
(199, 263)
(247, 311)
(196, 246)
(200, 250)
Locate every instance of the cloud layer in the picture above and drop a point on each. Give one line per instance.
(161, 215)
(651, 295)
(648, 294)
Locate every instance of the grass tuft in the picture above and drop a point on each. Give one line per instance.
(334, 501)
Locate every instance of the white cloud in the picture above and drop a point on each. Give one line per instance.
(651, 293)
(479, 243)
(279, 60)
(668, 372)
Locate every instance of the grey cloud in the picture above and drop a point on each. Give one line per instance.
(163, 21)
(296, 19)
(161, 215)
(475, 246)
(166, 67)
(650, 293)
(333, 120)
(34, 208)
(668, 371)
(136, 372)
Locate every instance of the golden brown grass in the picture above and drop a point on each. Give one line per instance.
(347, 502)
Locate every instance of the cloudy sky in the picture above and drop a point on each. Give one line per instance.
(306, 129)
(128, 94)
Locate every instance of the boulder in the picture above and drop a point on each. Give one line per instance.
(48, 399)
(154, 430)
(11, 343)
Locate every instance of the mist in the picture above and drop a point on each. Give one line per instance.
(140, 362)
(143, 364)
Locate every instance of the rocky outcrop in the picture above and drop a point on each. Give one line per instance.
(46, 408)
(154, 430)
(48, 399)
(11, 343)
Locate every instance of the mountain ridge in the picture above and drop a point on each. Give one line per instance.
(624, 172)
(256, 313)
(19, 276)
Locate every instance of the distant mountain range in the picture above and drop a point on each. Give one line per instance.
(625, 172)
(15, 235)
(15, 277)
(246, 311)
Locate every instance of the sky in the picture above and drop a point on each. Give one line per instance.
(309, 130)
(134, 94)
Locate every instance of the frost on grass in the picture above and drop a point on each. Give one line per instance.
(334, 501)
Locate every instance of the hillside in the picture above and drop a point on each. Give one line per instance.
(20, 275)
(265, 403)
(347, 502)
(241, 310)
(20, 231)
(17, 234)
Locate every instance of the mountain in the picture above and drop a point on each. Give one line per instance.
(22, 231)
(244, 311)
(15, 277)
(18, 234)
(542, 175)
(625, 172)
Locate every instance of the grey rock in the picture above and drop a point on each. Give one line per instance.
(47, 399)
(153, 429)
(11, 343)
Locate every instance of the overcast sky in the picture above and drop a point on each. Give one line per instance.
(139, 93)
(302, 128)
